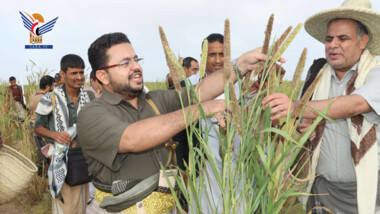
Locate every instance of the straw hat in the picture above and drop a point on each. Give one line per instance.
(359, 10)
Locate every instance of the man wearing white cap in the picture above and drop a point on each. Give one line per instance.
(345, 152)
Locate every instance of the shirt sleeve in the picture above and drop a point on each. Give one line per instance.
(370, 92)
(99, 133)
(41, 120)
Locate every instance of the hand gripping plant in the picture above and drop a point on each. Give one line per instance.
(264, 162)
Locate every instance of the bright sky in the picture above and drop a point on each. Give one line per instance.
(186, 23)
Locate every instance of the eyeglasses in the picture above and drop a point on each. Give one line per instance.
(124, 64)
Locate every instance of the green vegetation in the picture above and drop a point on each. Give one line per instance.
(264, 168)
(264, 175)
(35, 199)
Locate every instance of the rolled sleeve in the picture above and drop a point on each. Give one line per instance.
(370, 92)
(41, 120)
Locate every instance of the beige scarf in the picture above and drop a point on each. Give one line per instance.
(362, 134)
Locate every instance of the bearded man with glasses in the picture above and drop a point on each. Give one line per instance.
(121, 133)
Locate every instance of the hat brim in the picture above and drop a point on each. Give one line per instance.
(316, 25)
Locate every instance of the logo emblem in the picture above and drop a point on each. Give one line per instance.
(34, 24)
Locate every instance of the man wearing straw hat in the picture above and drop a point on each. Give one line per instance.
(345, 152)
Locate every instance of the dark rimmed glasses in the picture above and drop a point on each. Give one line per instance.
(124, 64)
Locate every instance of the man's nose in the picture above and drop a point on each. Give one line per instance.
(136, 67)
(218, 58)
(334, 42)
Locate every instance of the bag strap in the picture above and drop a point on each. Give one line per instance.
(153, 105)
(312, 73)
(53, 101)
(132, 196)
(170, 145)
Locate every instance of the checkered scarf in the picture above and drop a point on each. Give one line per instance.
(58, 167)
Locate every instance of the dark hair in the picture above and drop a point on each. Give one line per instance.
(57, 77)
(71, 61)
(361, 29)
(12, 78)
(46, 81)
(93, 75)
(187, 61)
(97, 50)
(213, 38)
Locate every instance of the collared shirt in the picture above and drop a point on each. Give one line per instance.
(101, 124)
(48, 120)
(335, 161)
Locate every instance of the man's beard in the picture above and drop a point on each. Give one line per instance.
(124, 90)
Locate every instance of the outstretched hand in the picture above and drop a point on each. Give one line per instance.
(249, 60)
(218, 108)
(280, 104)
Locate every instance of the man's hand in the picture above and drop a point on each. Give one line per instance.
(214, 106)
(62, 138)
(303, 127)
(249, 60)
(280, 103)
(219, 108)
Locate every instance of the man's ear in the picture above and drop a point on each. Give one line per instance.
(363, 41)
(63, 74)
(102, 76)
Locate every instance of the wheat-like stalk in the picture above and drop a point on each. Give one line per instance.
(299, 69)
(181, 71)
(236, 109)
(268, 33)
(306, 97)
(287, 43)
(202, 70)
(227, 52)
(165, 44)
(173, 69)
(272, 76)
(280, 40)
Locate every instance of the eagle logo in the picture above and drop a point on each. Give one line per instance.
(32, 23)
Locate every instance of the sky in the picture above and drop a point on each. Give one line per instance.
(185, 22)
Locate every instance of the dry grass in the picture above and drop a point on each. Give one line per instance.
(18, 135)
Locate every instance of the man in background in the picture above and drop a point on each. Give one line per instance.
(15, 98)
(95, 90)
(53, 122)
(46, 85)
(190, 66)
(58, 79)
